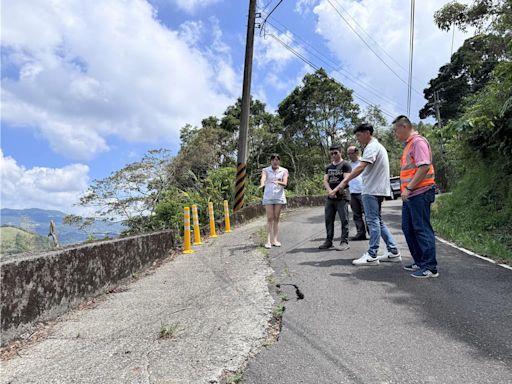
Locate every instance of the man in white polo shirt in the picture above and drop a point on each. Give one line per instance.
(374, 168)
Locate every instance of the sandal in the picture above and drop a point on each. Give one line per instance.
(268, 245)
(277, 244)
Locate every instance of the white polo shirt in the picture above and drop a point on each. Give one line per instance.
(376, 174)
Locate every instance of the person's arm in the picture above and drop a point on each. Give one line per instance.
(418, 178)
(352, 175)
(263, 178)
(326, 184)
(283, 182)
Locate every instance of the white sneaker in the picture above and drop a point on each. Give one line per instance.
(390, 257)
(366, 259)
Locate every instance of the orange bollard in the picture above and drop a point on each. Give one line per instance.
(213, 233)
(226, 217)
(195, 221)
(187, 247)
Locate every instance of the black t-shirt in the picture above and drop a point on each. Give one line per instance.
(335, 176)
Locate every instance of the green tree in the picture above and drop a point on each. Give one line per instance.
(131, 193)
(319, 112)
(82, 223)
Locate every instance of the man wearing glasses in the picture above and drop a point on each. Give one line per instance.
(374, 168)
(337, 200)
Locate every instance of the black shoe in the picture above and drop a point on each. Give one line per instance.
(326, 245)
(358, 238)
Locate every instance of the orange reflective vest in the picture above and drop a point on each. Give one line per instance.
(408, 166)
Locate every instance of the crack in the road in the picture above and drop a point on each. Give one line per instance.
(298, 292)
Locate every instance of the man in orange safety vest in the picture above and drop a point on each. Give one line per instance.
(417, 185)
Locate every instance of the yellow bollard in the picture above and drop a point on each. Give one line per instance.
(195, 220)
(187, 248)
(226, 217)
(213, 233)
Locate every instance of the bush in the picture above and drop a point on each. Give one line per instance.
(478, 214)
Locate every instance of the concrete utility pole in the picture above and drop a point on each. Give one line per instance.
(436, 105)
(439, 126)
(241, 169)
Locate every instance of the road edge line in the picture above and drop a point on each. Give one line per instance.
(472, 253)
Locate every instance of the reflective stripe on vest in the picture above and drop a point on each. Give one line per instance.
(408, 166)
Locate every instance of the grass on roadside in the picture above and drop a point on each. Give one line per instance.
(478, 214)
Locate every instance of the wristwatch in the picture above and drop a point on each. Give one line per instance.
(409, 189)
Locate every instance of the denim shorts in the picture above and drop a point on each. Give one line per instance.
(273, 201)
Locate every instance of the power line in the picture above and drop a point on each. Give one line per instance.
(372, 39)
(336, 67)
(268, 15)
(266, 6)
(411, 56)
(305, 60)
(368, 45)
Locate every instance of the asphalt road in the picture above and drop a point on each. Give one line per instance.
(376, 324)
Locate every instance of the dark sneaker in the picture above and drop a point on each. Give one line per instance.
(425, 273)
(326, 245)
(343, 247)
(358, 238)
(411, 267)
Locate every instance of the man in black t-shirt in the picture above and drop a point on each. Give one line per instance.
(336, 201)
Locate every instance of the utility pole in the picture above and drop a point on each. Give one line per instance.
(436, 105)
(241, 169)
(439, 125)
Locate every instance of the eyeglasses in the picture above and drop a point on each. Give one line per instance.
(334, 153)
(275, 157)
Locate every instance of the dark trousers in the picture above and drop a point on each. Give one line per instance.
(331, 207)
(356, 203)
(418, 230)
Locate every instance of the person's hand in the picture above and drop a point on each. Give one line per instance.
(332, 194)
(405, 194)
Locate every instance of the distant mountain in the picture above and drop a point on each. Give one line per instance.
(17, 240)
(38, 221)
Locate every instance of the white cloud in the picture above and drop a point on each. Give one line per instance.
(273, 58)
(191, 6)
(91, 70)
(47, 188)
(431, 46)
(190, 32)
(304, 6)
(270, 50)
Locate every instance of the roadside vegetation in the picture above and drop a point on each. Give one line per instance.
(17, 240)
(471, 143)
(476, 93)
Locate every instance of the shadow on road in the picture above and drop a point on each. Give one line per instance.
(327, 263)
(459, 303)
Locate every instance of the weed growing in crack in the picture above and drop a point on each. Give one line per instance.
(169, 331)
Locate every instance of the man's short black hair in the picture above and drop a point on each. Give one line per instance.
(364, 127)
(334, 147)
(402, 119)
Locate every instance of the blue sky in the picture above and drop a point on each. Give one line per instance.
(88, 87)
